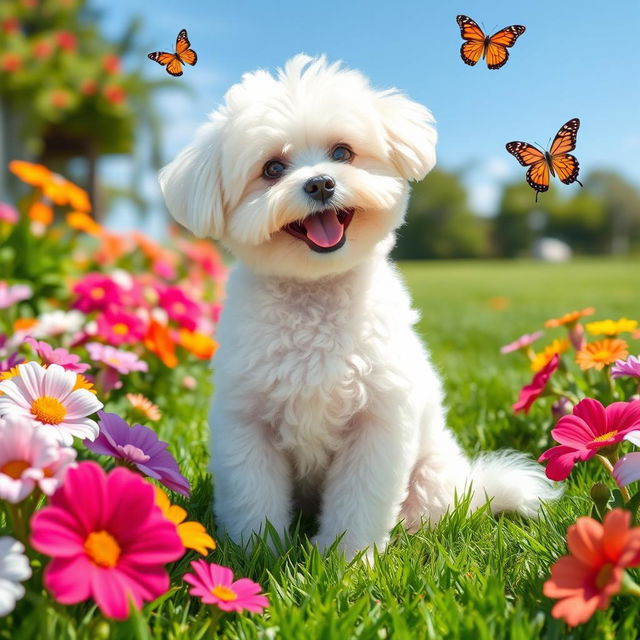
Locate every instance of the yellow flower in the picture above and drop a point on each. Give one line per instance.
(611, 328)
(192, 534)
(569, 318)
(11, 373)
(596, 355)
(542, 359)
(83, 383)
(83, 222)
(144, 406)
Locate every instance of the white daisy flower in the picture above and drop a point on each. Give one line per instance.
(56, 323)
(14, 568)
(48, 398)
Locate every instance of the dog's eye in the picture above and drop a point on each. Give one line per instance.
(273, 170)
(341, 153)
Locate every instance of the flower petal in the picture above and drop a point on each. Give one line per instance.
(584, 539)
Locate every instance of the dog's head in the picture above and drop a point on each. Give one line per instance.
(304, 174)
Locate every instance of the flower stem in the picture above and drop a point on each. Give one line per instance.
(629, 586)
(606, 463)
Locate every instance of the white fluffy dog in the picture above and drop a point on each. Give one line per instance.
(324, 394)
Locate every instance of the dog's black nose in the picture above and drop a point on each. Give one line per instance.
(320, 188)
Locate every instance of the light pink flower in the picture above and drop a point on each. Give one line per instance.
(118, 362)
(10, 294)
(49, 355)
(522, 342)
(531, 392)
(590, 427)
(47, 397)
(8, 213)
(214, 585)
(108, 540)
(629, 367)
(28, 458)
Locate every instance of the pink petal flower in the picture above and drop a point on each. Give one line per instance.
(521, 342)
(531, 392)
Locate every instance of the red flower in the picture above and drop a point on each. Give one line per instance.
(42, 49)
(10, 25)
(531, 392)
(111, 64)
(88, 87)
(585, 580)
(11, 62)
(589, 428)
(66, 40)
(115, 94)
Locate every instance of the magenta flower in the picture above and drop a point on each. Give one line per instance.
(49, 355)
(531, 392)
(522, 342)
(6, 364)
(9, 295)
(140, 447)
(96, 292)
(108, 540)
(120, 327)
(30, 458)
(118, 362)
(179, 307)
(629, 367)
(627, 469)
(214, 585)
(590, 428)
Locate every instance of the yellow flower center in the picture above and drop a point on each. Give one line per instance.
(604, 355)
(97, 293)
(48, 410)
(178, 308)
(604, 576)
(120, 328)
(224, 593)
(605, 436)
(102, 548)
(14, 468)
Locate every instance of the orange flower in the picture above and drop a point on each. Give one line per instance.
(541, 360)
(585, 580)
(24, 324)
(37, 175)
(569, 318)
(200, 344)
(82, 221)
(192, 534)
(596, 355)
(144, 406)
(159, 341)
(40, 212)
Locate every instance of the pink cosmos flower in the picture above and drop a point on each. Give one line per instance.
(8, 213)
(108, 540)
(9, 295)
(28, 458)
(590, 428)
(49, 355)
(49, 400)
(179, 307)
(140, 447)
(214, 585)
(118, 362)
(522, 342)
(96, 292)
(120, 327)
(627, 469)
(629, 367)
(531, 392)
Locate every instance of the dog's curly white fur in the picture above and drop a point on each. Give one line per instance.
(323, 390)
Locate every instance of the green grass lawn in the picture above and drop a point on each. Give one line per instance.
(475, 577)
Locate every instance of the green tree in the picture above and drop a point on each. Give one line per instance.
(439, 222)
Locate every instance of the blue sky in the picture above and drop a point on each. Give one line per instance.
(576, 59)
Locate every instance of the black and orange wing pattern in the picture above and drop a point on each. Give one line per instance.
(528, 156)
(174, 61)
(477, 45)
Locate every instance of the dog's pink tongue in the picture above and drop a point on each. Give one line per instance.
(324, 228)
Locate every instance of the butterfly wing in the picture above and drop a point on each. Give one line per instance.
(472, 50)
(183, 50)
(528, 156)
(168, 60)
(563, 163)
(497, 54)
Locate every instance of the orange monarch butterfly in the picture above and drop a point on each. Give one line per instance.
(493, 48)
(174, 61)
(557, 160)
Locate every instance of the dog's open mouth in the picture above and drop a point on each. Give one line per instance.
(323, 231)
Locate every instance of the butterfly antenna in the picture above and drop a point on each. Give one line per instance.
(540, 147)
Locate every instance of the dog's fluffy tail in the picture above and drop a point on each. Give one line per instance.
(511, 481)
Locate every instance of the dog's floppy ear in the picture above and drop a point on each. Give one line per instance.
(410, 132)
(191, 183)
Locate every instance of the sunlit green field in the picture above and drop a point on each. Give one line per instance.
(474, 577)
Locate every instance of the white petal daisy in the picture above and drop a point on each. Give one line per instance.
(14, 568)
(46, 396)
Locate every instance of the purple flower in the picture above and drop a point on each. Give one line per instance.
(13, 360)
(522, 342)
(49, 355)
(140, 447)
(628, 367)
